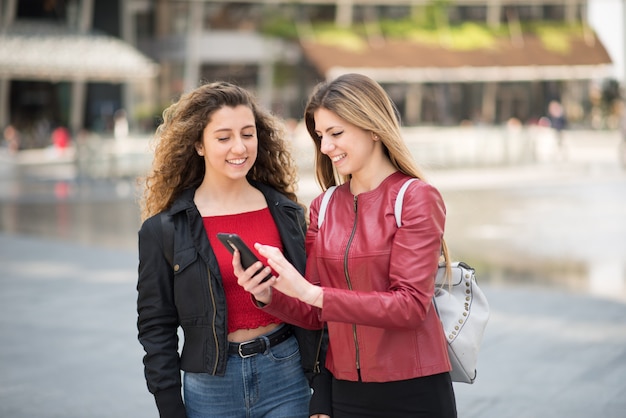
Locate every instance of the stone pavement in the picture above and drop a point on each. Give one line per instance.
(69, 346)
(69, 342)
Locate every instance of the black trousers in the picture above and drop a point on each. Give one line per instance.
(427, 397)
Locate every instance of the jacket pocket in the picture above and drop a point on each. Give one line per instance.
(183, 259)
(189, 286)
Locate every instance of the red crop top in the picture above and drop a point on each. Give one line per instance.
(255, 226)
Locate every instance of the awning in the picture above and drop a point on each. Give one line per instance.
(468, 74)
(40, 51)
(406, 61)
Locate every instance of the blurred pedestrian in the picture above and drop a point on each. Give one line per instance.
(221, 164)
(556, 115)
(60, 138)
(370, 281)
(622, 130)
(120, 125)
(12, 138)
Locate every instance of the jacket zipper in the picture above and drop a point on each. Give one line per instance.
(217, 345)
(349, 282)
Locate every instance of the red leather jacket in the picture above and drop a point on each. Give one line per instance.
(378, 283)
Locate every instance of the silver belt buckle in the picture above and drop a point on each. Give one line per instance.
(241, 346)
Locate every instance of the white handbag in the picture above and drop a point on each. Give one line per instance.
(464, 312)
(462, 306)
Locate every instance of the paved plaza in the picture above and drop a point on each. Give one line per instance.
(69, 342)
(69, 346)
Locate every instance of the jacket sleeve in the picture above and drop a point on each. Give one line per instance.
(157, 321)
(413, 264)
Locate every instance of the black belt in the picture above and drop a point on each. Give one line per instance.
(258, 345)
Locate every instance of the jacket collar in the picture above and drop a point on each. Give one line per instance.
(183, 202)
(272, 196)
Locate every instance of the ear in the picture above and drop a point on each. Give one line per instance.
(199, 149)
(375, 137)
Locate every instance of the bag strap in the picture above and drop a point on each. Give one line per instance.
(168, 237)
(397, 210)
(324, 205)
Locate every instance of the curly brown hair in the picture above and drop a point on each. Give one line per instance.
(177, 166)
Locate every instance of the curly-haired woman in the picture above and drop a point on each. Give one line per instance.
(221, 164)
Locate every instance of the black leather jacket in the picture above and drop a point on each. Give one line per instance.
(188, 292)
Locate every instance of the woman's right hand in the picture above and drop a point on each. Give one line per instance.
(289, 280)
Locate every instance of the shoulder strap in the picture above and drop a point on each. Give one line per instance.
(322, 213)
(168, 237)
(398, 206)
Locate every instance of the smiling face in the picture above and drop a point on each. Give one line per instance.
(350, 148)
(229, 143)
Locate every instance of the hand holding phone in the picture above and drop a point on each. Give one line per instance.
(234, 241)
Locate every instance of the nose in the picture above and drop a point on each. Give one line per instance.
(326, 145)
(238, 146)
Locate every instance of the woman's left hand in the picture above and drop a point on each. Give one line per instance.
(250, 279)
(289, 280)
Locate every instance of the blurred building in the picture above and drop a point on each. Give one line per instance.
(276, 48)
(443, 63)
(64, 64)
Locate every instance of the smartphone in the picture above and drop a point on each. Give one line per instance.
(234, 241)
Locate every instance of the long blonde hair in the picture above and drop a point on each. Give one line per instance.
(177, 166)
(362, 102)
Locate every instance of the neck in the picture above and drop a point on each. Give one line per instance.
(368, 180)
(213, 198)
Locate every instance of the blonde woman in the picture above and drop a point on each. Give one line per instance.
(371, 282)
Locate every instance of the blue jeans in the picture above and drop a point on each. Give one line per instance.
(270, 385)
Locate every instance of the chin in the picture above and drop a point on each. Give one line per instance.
(344, 171)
